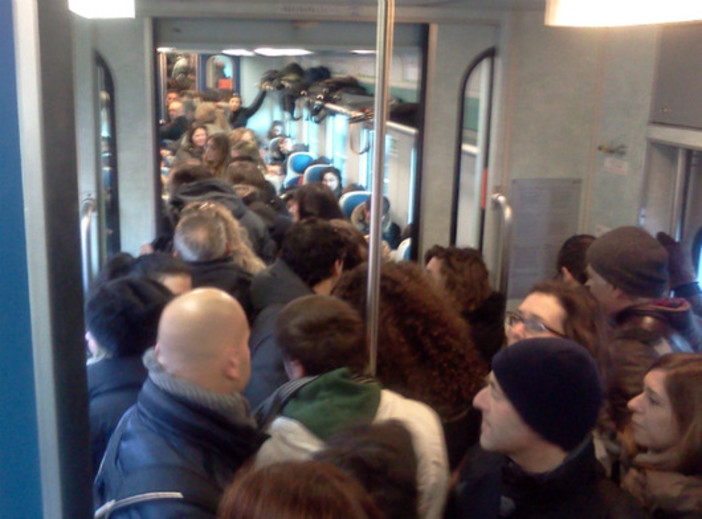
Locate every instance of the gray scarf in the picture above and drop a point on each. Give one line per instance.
(233, 406)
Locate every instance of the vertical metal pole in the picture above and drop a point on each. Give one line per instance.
(384, 37)
(677, 210)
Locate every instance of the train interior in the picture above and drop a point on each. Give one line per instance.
(524, 135)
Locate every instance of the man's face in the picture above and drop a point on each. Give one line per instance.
(170, 97)
(604, 292)
(234, 103)
(502, 429)
(175, 109)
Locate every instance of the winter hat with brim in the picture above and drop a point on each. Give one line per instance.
(632, 260)
(554, 385)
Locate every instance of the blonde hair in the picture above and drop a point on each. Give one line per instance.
(237, 237)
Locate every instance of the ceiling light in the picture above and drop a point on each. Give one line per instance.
(362, 52)
(238, 52)
(271, 52)
(102, 8)
(166, 49)
(608, 13)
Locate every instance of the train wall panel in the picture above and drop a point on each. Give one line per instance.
(126, 46)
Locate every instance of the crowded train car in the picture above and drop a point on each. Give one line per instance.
(333, 258)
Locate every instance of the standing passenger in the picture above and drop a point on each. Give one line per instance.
(175, 451)
(310, 262)
(239, 115)
(536, 459)
(628, 275)
(323, 339)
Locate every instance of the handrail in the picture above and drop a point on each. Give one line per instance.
(499, 201)
(87, 210)
(384, 43)
(357, 149)
(402, 128)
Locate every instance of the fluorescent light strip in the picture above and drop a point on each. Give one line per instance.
(102, 8)
(612, 13)
(238, 52)
(271, 52)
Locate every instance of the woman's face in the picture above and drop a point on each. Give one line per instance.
(199, 137)
(276, 130)
(211, 152)
(331, 181)
(653, 422)
(539, 315)
(286, 145)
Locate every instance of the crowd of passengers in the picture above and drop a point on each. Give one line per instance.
(229, 371)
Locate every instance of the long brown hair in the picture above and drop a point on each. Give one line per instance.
(296, 490)
(425, 349)
(683, 384)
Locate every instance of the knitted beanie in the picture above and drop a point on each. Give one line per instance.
(554, 385)
(123, 314)
(632, 260)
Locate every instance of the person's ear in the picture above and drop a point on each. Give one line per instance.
(566, 275)
(294, 369)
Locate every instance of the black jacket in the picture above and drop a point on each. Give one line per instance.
(168, 444)
(113, 387)
(271, 289)
(225, 275)
(241, 117)
(492, 487)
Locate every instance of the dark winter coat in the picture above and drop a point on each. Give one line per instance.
(113, 387)
(169, 444)
(240, 118)
(225, 275)
(271, 289)
(492, 487)
(487, 325)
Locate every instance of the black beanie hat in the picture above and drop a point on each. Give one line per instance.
(632, 260)
(554, 385)
(123, 314)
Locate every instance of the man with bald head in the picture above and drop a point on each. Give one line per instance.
(177, 123)
(190, 430)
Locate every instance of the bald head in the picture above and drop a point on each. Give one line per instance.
(203, 337)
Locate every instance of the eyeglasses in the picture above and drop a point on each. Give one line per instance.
(532, 325)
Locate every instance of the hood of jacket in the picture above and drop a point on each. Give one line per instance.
(211, 189)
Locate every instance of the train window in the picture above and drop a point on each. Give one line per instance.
(220, 73)
(472, 151)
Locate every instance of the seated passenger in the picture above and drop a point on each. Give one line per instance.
(297, 490)
(360, 217)
(323, 344)
(191, 152)
(536, 458)
(190, 431)
(628, 275)
(331, 177)
(425, 351)
(381, 457)
(201, 241)
(666, 469)
(310, 262)
(315, 200)
(464, 276)
(121, 319)
(571, 263)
